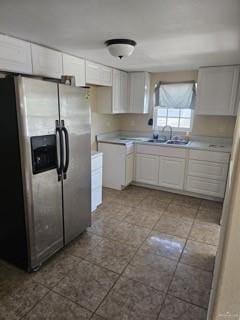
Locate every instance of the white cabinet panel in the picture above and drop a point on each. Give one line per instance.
(203, 155)
(96, 198)
(147, 168)
(46, 62)
(15, 55)
(92, 72)
(205, 186)
(96, 180)
(98, 74)
(117, 165)
(171, 172)
(116, 103)
(129, 168)
(105, 76)
(139, 85)
(205, 169)
(113, 99)
(162, 151)
(217, 90)
(124, 97)
(73, 66)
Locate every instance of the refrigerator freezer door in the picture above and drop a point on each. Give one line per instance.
(38, 110)
(75, 112)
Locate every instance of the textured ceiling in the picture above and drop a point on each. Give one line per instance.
(171, 34)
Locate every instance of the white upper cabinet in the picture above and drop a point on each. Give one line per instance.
(105, 76)
(15, 55)
(98, 74)
(73, 66)
(139, 84)
(124, 97)
(217, 90)
(114, 99)
(46, 62)
(120, 92)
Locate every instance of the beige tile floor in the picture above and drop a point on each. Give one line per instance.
(149, 255)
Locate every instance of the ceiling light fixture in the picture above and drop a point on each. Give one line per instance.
(120, 47)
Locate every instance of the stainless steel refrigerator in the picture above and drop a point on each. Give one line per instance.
(45, 166)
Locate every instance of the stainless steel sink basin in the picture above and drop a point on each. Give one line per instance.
(157, 141)
(178, 142)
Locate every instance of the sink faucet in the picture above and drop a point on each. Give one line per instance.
(170, 131)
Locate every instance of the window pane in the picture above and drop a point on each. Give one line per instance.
(162, 112)
(161, 122)
(173, 113)
(185, 123)
(173, 122)
(186, 113)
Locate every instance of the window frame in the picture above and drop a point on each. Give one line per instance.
(177, 129)
(180, 129)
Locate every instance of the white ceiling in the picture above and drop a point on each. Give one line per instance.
(171, 34)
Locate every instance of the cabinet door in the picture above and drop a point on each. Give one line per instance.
(209, 187)
(171, 172)
(129, 169)
(46, 62)
(206, 169)
(116, 108)
(139, 92)
(217, 90)
(124, 102)
(15, 55)
(147, 168)
(105, 76)
(73, 66)
(92, 73)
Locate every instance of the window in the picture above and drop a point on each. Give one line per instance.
(174, 105)
(174, 117)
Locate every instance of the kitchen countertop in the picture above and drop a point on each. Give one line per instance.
(199, 145)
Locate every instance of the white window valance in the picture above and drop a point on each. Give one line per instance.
(176, 95)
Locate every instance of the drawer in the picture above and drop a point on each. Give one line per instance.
(161, 151)
(97, 162)
(206, 169)
(96, 198)
(222, 157)
(205, 186)
(96, 178)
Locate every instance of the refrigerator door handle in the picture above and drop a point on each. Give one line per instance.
(66, 138)
(59, 150)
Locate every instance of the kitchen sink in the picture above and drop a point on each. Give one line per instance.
(162, 141)
(157, 141)
(178, 142)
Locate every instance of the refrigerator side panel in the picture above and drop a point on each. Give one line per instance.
(37, 113)
(75, 111)
(13, 241)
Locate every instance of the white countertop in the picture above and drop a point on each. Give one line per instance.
(200, 145)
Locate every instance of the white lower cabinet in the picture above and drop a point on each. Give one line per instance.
(96, 180)
(171, 172)
(207, 173)
(117, 165)
(129, 168)
(147, 167)
(205, 186)
(207, 169)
